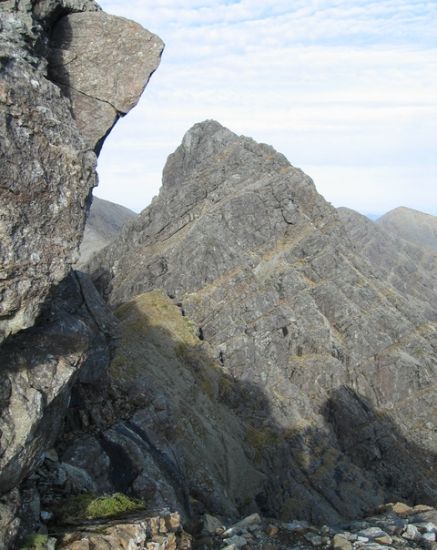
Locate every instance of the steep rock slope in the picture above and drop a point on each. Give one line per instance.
(264, 267)
(410, 268)
(411, 225)
(54, 329)
(103, 224)
(166, 425)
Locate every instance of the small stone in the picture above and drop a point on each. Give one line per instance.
(384, 539)
(401, 509)
(211, 524)
(373, 546)
(429, 537)
(411, 532)
(272, 530)
(253, 519)
(314, 539)
(236, 542)
(296, 525)
(420, 508)
(360, 538)
(427, 527)
(339, 542)
(372, 532)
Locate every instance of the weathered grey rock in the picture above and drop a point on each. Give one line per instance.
(409, 267)
(411, 532)
(151, 533)
(48, 164)
(341, 543)
(211, 524)
(103, 224)
(39, 367)
(411, 225)
(339, 366)
(9, 521)
(48, 172)
(103, 64)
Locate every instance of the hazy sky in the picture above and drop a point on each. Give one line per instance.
(346, 89)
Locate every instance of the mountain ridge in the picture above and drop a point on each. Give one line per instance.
(264, 266)
(412, 225)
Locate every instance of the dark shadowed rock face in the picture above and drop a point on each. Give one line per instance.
(103, 224)
(411, 225)
(265, 268)
(47, 151)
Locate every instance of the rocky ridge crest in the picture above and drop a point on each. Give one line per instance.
(411, 225)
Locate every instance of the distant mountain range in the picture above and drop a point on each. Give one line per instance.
(411, 225)
(104, 222)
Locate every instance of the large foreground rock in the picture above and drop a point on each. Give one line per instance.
(341, 364)
(57, 330)
(103, 64)
(47, 153)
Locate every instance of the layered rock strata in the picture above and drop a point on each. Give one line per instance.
(341, 366)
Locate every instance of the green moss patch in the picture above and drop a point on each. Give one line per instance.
(35, 542)
(88, 506)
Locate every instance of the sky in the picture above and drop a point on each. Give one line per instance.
(345, 89)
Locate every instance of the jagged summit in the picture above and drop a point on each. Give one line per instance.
(204, 142)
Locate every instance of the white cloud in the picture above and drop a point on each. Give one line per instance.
(334, 83)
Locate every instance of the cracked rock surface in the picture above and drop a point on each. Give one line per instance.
(102, 63)
(46, 152)
(53, 326)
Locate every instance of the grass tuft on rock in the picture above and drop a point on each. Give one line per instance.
(35, 542)
(87, 506)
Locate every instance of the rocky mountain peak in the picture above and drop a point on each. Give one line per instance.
(209, 143)
(322, 340)
(412, 225)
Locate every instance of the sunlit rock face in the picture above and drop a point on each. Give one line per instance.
(102, 63)
(266, 270)
(65, 79)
